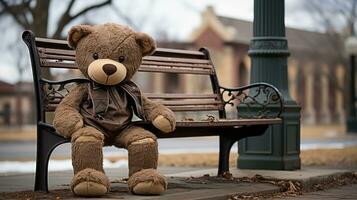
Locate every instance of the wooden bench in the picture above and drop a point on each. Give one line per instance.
(51, 53)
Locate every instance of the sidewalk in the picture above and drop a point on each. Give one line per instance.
(342, 192)
(179, 187)
(183, 183)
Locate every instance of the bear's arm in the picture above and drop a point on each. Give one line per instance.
(162, 117)
(67, 118)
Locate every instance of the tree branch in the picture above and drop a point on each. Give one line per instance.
(16, 14)
(128, 20)
(352, 20)
(136, 22)
(91, 8)
(27, 5)
(69, 7)
(64, 20)
(66, 17)
(2, 12)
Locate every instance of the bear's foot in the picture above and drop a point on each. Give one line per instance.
(90, 183)
(147, 182)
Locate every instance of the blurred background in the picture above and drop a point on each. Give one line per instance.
(318, 69)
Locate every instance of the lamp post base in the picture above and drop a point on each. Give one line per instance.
(278, 148)
(352, 125)
(269, 162)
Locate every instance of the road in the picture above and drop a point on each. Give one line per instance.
(20, 156)
(27, 150)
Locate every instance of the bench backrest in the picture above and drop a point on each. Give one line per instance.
(49, 53)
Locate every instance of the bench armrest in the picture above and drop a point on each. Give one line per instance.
(54, 91)
(258, 100)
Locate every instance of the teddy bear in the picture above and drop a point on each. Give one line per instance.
(99, 112)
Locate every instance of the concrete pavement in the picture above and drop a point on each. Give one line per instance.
(307, 177)
(341, 192)
(178, 187)
(181, 184)
(61, 179)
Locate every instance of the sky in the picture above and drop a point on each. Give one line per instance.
(176, 19)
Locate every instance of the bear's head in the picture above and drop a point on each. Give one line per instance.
(109, 53)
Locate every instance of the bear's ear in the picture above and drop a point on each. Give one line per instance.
(76, 33)
(146, 43)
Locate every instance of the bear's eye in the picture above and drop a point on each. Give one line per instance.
(95, 56)
(121, 59)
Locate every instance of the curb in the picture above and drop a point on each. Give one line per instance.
(310, 183)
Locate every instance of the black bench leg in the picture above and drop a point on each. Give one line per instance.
(46, 143)
(225, 145)
(41, 168)
(226, 142)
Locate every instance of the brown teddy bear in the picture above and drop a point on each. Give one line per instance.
(99, 112)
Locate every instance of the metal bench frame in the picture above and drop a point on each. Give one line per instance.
(263, 102)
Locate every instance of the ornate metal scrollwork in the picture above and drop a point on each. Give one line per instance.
(259, 100)
(54, 91)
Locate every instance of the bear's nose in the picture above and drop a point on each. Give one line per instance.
(109, 69)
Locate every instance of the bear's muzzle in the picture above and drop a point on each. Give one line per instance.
(106, 71)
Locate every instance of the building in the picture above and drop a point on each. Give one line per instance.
(16, 104)
(316, 77)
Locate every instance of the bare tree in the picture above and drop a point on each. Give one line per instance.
(337, 18)
(333, 15)
(34, 15)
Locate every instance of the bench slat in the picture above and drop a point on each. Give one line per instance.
(183, 52)
(195, 108)
(179, 60)
(190, 102)
(58, 99)
(240, 128)
(237, 127)
(50, 42)
(157, 97)
(180, 96)
(176, 64)
(56, 51)
(52, 108)
(57, 57)
(176, 70)
(175, 104)
(228, 122)
(54, 64)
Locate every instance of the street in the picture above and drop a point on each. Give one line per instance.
(19, 157)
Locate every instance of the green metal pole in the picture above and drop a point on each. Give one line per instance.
(279, 147)
(352, 116)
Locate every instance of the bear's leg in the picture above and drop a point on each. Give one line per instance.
(143, 157)
(87, 160)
